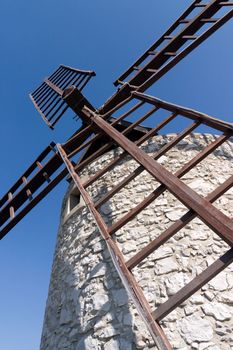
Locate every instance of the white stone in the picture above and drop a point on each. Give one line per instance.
(172, 317)
(108, 332)
(166, 265)
(100, 301)
(129, 247)
(195, 329)
(220, 282)
(217, 310)
(89, 297)
(197, 299)
(160, 201)
(210, 296)
(199, 234)
(226, 297)
(162, 253)
(189, 310)
(88, 343)
(209, 346)
(175, 214)
(201, 186)
(98, 247)
(162, 160)
(176, 282)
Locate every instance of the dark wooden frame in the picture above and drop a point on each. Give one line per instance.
(197, 205)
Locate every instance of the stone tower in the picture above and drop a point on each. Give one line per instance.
(88, 307)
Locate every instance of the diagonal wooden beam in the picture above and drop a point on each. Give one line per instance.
(127, 278)
(216, 220)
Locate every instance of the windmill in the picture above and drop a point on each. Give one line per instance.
(62, 90)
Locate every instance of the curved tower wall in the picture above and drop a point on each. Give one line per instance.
(87, 306)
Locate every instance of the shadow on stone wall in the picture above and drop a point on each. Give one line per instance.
(88, 307)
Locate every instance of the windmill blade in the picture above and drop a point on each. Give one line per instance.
(185, 34)
(37, 181)
(47, 97)
(158, 113)
(47, 171)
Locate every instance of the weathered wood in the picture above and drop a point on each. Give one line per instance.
(186, 112)
(216, 220)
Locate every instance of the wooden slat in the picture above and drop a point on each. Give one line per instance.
(187, 112)
(54, 87)
(25, 210)
(158, 42)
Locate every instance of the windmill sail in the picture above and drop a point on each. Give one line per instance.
(47, 97)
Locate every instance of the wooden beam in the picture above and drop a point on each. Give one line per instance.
(127, 278)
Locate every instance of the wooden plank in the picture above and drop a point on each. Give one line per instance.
(216, 220)
(187, 112)
(27, 173)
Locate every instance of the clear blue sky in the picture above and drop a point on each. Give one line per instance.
(106, 36)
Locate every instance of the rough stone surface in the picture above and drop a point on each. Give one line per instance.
(195, 329)
(88, 307)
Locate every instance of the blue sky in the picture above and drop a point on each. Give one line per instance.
(105, 36)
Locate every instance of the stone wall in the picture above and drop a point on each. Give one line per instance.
(87, 306)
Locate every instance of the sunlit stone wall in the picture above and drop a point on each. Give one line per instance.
(87, 306)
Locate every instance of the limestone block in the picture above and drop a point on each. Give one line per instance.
(195, 329)
(162, 253)
(176, 282)
(175, 214)
(166, 265)
(217, 310)
(100, 302)
(221, 282)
